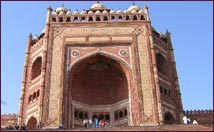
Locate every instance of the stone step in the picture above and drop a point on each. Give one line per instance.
(144, 128)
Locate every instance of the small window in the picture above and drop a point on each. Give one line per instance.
(121, 114)
(61, 19)
(54, 19)
(76, 114)
(30, 99)
(90, 19)
(112, 18)
(68, 19)
(38, 92)
(142, 17)
(83, 19)
(165, 91)
(81, 115)
(169, 93)
(34, 95)
(75, 19)
(125, 112)
(98, 19)
(105, 18)
(120, 18)
(161, 90)
(135, 18)
(127, 18)
(101, 117)
(107, 117)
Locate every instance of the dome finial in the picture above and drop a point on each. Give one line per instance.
(133, 3)
(98, 1)
(30, 35)
(62, 4)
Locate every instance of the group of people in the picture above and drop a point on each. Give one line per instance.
(16, 127)
(188, 121)
(88, 123)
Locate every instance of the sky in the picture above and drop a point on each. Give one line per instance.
(190, 24)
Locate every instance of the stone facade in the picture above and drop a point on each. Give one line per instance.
(100, 63)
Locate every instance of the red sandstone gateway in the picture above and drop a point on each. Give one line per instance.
(100, 63)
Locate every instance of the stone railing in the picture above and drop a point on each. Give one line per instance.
(93, 17)
(198, 112)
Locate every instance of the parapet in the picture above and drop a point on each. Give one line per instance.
(98, 13)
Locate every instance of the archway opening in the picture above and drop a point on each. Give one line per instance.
(98, 81)
(32, 123)
(161, 64)
(36, 68)
(99, 85)
(168, 118)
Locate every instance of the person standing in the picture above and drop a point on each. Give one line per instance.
(40, 125)
(195, 122)
(185, 119)
(96, 123)
(90, 123)
(17, 126)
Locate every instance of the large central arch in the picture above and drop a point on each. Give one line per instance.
(99, 85)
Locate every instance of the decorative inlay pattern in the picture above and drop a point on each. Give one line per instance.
(123, 52)
(75, 53)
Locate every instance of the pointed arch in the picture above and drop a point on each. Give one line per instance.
(36, 68)
(124, 65)
(32, 123)
(161, 63)
(168, 118)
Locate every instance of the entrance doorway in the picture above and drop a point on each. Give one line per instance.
(99, 88)
(168, 118)
(32, 123)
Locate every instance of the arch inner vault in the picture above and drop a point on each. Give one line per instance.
(99, 89)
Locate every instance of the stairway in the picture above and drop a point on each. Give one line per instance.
(175, 127)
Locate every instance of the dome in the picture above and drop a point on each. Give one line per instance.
(90, 13)
(76, 12)
(84, 12)
(97, 12)
(141, 12)
(119, 11)
(98, 6)
(133, 11)
(59, 9)
(134, 7)
(61, 13)
(126, 11)
(68, 13)
(105, 12)
(112, 11)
